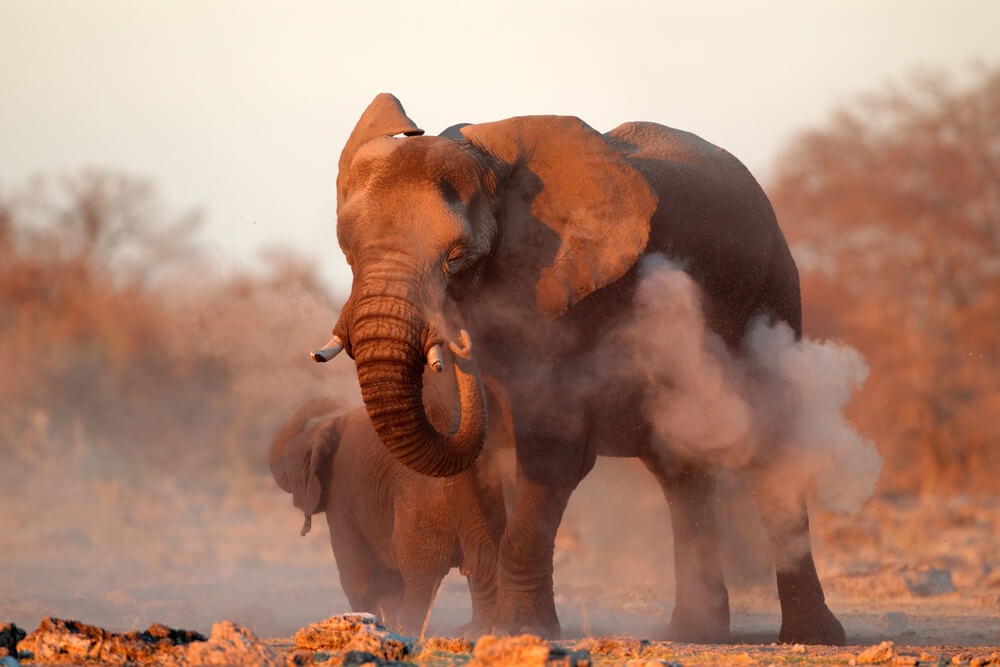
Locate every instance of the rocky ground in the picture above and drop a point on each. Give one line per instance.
(358, 639)
(923, 573)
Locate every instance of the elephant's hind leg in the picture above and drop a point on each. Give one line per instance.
(701, 607)
(805, 616)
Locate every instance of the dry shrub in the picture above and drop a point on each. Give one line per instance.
(117, 335)
(891, 210)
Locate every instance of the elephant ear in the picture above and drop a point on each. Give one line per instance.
(307, 460)
(384, 117)
(575, 215)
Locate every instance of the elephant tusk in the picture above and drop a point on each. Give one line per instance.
(328, 352)
(434, 359)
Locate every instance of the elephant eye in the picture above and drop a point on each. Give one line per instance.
(455, 260)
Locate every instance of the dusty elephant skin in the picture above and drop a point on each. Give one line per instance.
(531, 234)
(396, 533)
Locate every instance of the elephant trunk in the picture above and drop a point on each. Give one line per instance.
(388, 339)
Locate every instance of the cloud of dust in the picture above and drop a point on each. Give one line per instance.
(773, 409)
(777, 406)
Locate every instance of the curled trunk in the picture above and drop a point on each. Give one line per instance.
(387, 342)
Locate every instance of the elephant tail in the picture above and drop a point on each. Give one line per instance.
(301, 452)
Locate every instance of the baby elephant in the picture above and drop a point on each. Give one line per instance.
(396, 533)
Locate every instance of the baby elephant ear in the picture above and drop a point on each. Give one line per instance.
(384, 117)
(316, 473)
(575, 214)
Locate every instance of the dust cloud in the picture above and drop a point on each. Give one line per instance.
(776, 408)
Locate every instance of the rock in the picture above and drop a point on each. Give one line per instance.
(383, 643)
(444, 645)
(526, 650)
(651, 662)
(354, 632)
(873, 655)
(927, 581)
(982, 660)
(59, 640)
(229, 644)
(366, 659)
(614, 647)
(10, 635)
(9, 661)
(905, 660)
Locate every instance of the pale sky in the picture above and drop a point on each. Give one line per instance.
(241, 107)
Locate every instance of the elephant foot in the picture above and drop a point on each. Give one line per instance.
(699, 626)
(519, 614)
(816, 625)
(474, 629)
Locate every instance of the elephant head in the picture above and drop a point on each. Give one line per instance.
(301, 453)
(539, 204)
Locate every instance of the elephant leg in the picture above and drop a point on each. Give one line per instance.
(701, 607)
(419, 590)
(547, 473)
(368, 584)
(473, 508)
(805, 617)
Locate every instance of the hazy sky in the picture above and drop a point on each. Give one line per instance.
(241, 107)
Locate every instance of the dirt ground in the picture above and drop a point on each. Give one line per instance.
(922, 572)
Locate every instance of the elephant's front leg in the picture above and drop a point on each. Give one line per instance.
(479, 546)
(805, 616)
(546, 476)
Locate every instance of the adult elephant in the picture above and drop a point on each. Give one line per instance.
(529, 232)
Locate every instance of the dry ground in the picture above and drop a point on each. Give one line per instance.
(122, 552)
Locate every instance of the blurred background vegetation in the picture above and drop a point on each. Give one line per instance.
(117, 333)
(893, 213)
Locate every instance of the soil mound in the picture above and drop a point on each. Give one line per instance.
(354, 632)
(526, 650)
(64, 641)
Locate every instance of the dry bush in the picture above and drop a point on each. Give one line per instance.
(893, 211)
(115, 334)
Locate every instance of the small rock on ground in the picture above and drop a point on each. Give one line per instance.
(614, 647)
(928, 581)
(10, 635)
(874, 655)
(62, 641)
(354, 632)
(59, 640)
(527, 650)
(229, 644)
